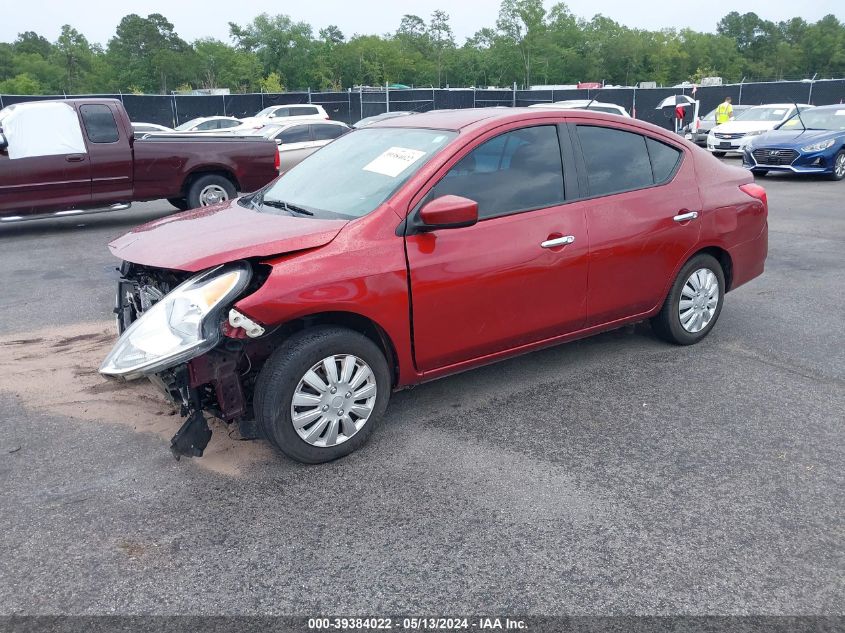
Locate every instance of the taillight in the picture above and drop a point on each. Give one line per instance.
(278, 162)
(756, 191)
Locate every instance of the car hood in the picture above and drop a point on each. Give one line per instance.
(202, 238)
(796, 138)
(733, 127)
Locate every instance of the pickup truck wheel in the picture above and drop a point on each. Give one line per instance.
(694, 303)
(321, 392)
(179, 203)
(210, 189)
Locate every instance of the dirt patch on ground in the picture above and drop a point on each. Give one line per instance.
(56, 371)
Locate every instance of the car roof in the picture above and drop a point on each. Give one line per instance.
(458, 120)
(780, 105)
(833, 106)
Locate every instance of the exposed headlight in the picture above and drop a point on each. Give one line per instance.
(755, 132)
(178, 327)
(818, 147)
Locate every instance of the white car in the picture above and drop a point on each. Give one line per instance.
(299, 139)
(149, 128)
(584, 104)
(731, 137)
(282, 114)
(208, 125)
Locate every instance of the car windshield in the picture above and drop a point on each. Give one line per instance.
(817, 119)
(267, 111)
(188, 125)
(763, 113)
(353, 175)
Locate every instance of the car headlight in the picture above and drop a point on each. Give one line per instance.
(818, 147)
(178, 327)
(754, 133)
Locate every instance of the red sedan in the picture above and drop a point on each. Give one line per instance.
(423, 246)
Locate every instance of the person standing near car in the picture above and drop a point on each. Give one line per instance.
(725, 111)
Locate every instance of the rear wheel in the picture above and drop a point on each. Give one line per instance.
(179, 203)
(694, 302)
(838, 166)
(210, 189)
(319, 395)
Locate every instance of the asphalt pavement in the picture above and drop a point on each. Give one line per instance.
(614, 475)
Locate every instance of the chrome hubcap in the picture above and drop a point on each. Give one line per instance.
(699, 299)
(333, 400)
(840, 165)
(212, 194)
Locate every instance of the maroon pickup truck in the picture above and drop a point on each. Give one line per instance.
(79, 155)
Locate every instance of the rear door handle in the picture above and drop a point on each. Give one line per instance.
(685, 217)
(558, 241)
(75, 158)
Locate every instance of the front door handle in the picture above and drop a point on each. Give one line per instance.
(75, 158)
(558, 241)
(685, 217)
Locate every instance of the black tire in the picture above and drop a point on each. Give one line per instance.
(179, 203)
(667, 323)
(718, 154)
(836, 158)
(760, 172)
(282, 373)
(209, 180)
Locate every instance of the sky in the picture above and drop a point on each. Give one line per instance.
(97, 19)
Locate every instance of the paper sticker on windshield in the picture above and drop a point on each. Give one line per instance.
(780, 112)
(839, 113)
(393, 161)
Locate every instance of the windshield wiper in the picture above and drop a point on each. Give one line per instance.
(285, 206)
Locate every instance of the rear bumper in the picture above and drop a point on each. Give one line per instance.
(749, 258)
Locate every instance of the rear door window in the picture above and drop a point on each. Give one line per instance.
(327, 132)
(303, 111)
(99, 122)
(516, 171)
(616, 160)
(664, 159)
(296, 134)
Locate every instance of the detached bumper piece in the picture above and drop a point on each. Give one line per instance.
(192, 438)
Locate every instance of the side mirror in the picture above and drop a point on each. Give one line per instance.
(449, 212)
(4, 142)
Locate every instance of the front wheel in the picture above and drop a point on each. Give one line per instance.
(321, 392)
(694, 302)
(838, 166)
(210, 189)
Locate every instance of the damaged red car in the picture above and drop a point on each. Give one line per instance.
(420, 247)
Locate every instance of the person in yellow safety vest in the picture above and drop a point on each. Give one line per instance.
(725, 111)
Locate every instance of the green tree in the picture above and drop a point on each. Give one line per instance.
(147, 52)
